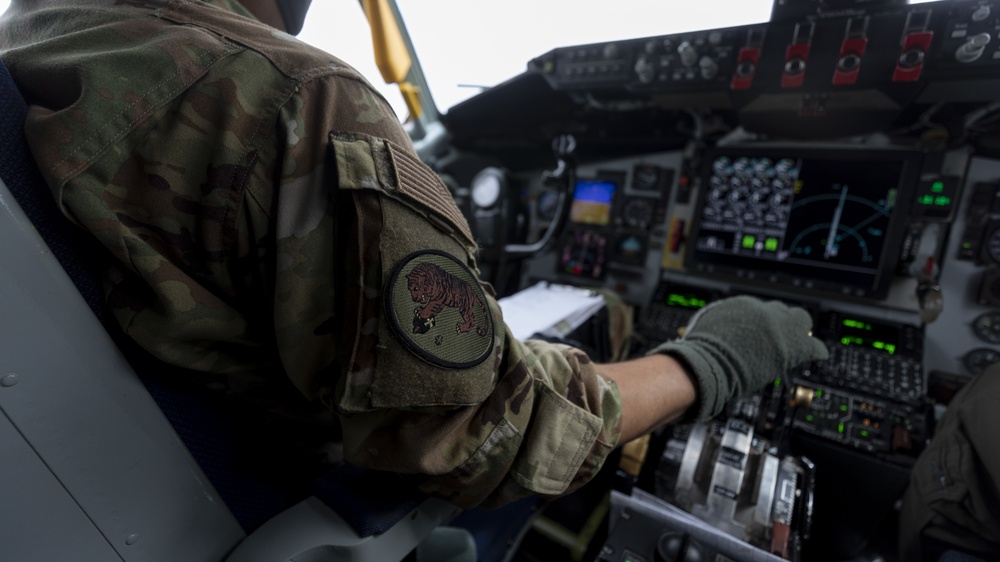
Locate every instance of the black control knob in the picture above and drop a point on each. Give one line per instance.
(678, 547)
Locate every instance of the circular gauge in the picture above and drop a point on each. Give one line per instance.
(737, 198)
(786, 169)
(743, 167)
(760, 196)
(638, 213)
(987, 327)
(763, 167)
(722, 166)
(977, 360)
(993, 245)
(646, 178)
(487, 187)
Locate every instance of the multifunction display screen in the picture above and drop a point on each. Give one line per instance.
(825, 220)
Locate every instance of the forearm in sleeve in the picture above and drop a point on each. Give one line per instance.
(546, 429)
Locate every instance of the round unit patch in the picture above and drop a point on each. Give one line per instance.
(437, 308)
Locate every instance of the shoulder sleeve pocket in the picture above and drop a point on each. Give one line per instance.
(434, 323)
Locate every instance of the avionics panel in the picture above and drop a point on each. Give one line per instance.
(584, 252)
(825, 220)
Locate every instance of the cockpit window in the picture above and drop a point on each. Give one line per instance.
(467, 46)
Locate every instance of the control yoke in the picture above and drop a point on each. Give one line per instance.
(562, 178)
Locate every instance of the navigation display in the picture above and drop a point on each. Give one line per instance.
(592, 199)
(826, 220)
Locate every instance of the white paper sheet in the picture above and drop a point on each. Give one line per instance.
(549, 309)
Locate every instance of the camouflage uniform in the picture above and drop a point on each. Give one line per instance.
(267, 215)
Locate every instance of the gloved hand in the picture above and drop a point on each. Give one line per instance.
(737, 345)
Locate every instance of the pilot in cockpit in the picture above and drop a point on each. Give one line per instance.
(268, 226)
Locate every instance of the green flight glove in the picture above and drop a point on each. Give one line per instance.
(737, 345)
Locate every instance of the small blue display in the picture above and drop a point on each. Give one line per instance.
(592, 202)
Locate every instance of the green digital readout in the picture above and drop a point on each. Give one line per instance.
(855, 332)
(934, 201)
(685, 301)
(875, 344)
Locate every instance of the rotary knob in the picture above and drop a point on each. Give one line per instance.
(688, 54)
(709, 68)
(973, 48)
(645, 69)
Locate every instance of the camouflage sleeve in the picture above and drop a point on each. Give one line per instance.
(251, 243)
(380, 313)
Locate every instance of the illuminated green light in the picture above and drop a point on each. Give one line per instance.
(851, 340)
(748, 241)
(967, 245)
(887, 347)
(843, 407)
(840, 428)
(777, 382)
(819, 393)
(891, 198)
(937, 187)
(809, 417)
(771, 244)
(857, 324)
(684, 300)
(942, 201)
(864, 433)
(926, 200)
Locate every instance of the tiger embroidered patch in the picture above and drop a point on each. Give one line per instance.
(438, 309)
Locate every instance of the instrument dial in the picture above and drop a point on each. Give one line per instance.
(993, 245)
(987, 327)
(487, 187)
(978, 360)
(638, 213)
(722, 166)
